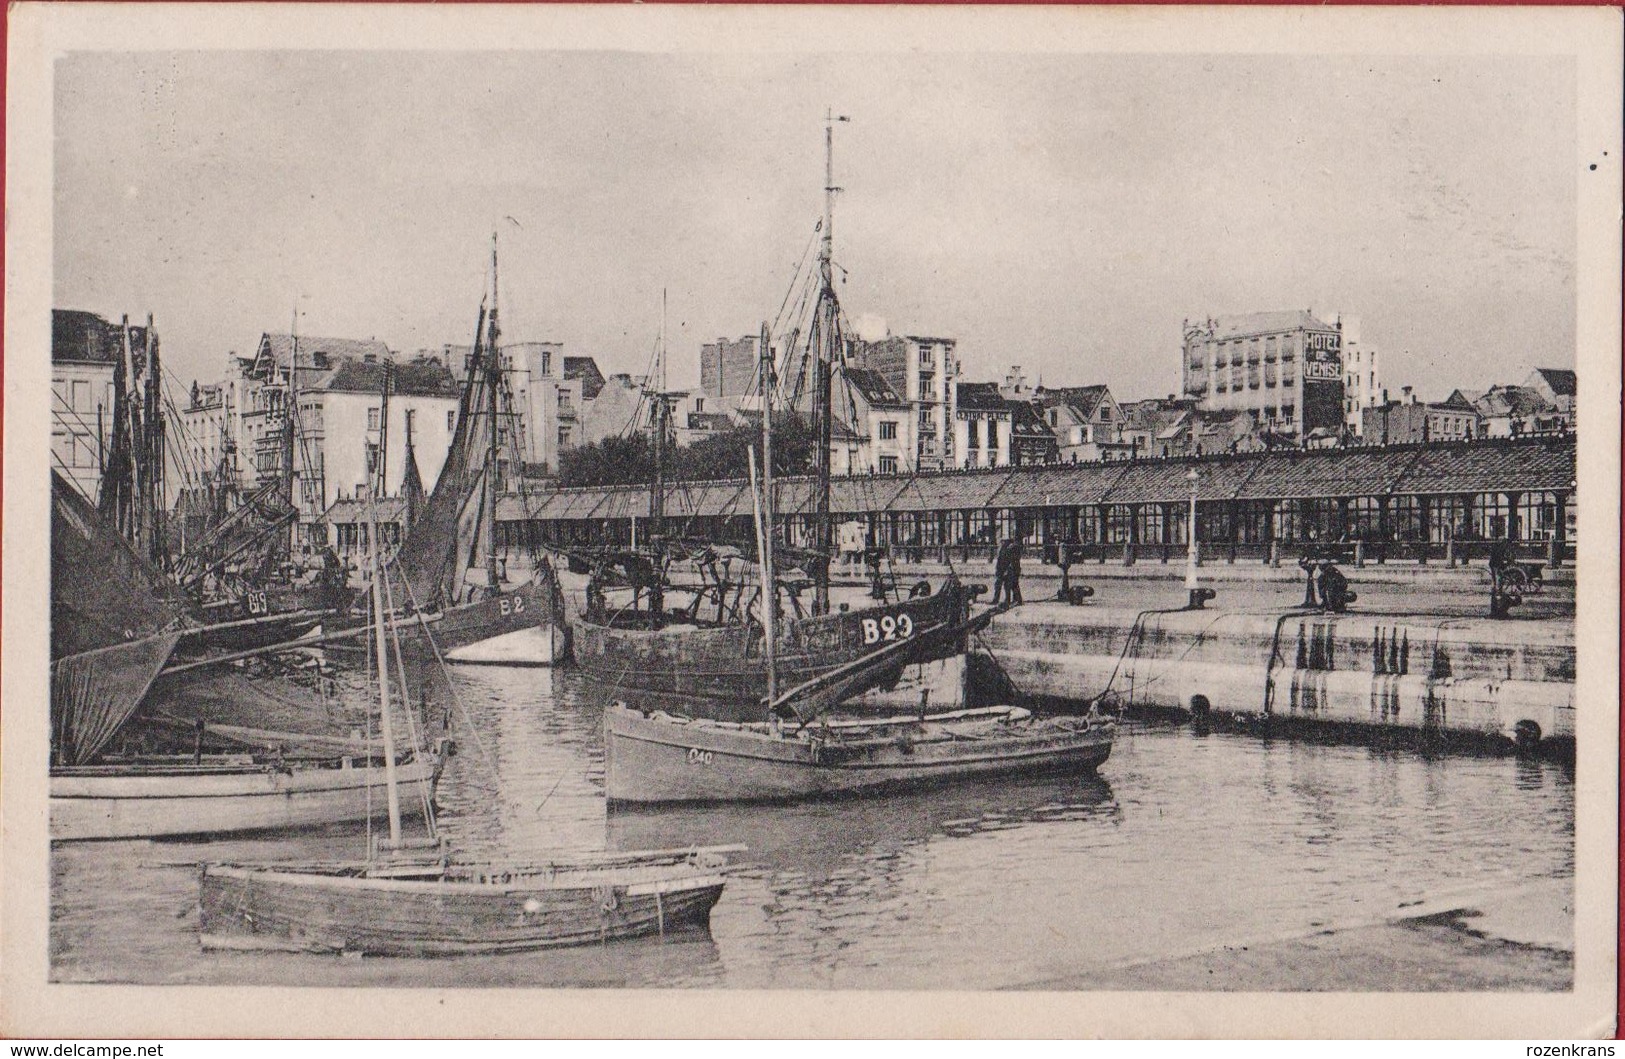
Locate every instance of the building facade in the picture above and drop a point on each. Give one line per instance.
(872, 430)
(1412, 421)
(923, 370)
(1031, 440)
(85, 352)
(730, 369)
(1362, 376)
(982, 425)
(210, 425)
(1285, 369)
(1087, 423)
(339, 433)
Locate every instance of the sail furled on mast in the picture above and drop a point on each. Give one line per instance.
(431, 558)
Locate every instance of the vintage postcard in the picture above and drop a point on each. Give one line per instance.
(759, 521)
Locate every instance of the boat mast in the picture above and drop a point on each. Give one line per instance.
(826, 322)
(288, 446)
(380, 630)
(659, 412)
(770, 595)
(493, 387)
(763, 532)
(154, 513)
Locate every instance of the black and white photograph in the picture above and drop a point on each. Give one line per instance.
(1052, 507)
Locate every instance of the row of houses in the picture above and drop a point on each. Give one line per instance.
(901, 407)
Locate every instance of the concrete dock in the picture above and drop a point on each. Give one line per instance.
(1443, 674)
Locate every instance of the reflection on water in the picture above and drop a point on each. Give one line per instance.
(1182, 842)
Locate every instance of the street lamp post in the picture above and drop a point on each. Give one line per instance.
(1197, 596)
(1190, 551)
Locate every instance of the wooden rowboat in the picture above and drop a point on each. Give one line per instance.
(223, 793)
(654, 757)
(442, 907)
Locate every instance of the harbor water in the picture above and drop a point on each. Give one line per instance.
(1185, 843)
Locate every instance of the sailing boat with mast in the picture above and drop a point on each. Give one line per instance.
(417, 898)
(652, 756)
(477, 619)
(717, 670)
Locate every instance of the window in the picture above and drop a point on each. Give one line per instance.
(888, 430)
(451, 420)
(81, 396)
(411, 420)
(974, 431)
(1287, 412)
(1269, 373)
(992, 434)
(1105, 413)
(926, 358)
(888, 465)
(699, 405)
(62, 449)
(1289, 373)
(564, 437)
(372, 419)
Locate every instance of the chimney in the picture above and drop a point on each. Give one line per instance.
(1408, 397)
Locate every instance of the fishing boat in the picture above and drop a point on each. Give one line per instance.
(718, 669)
(795, 748)
(121, 767)
(418, 898)
(656, 757)
(798, 748)
(455, 599)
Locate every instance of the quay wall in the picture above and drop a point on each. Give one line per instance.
(1462, 676)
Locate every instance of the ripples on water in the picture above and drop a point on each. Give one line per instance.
(1183, 842)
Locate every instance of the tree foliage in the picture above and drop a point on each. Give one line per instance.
(630, 460)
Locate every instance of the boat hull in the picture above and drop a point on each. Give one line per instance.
(260, 908)
(541, 645)
(525, 623)
(720, 674)
(109, 802)
(657, 759)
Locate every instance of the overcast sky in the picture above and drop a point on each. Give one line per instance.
(1061, 212)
